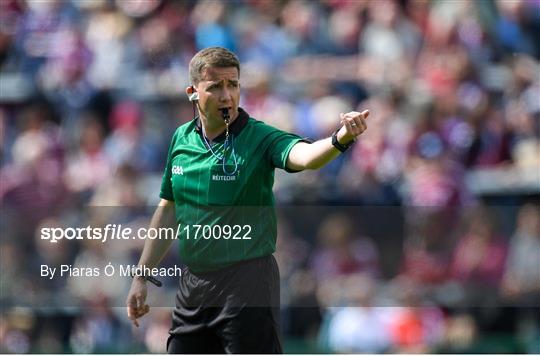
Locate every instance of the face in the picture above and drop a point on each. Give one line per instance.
(218, 89)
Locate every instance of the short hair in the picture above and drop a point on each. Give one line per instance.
(211, 57)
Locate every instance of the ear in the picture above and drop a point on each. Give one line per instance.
(192, 93)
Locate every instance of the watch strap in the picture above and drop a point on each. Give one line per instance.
(339, 146)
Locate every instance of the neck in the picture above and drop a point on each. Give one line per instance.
(214, 128)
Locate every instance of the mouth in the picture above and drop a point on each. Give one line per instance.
(225, 112)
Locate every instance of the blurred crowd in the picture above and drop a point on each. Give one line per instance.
(92, 90)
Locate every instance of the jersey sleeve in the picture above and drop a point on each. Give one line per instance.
(166, 191)
(280, 146)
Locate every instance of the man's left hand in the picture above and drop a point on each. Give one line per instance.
(354, 123)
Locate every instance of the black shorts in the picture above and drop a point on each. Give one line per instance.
(233, 310)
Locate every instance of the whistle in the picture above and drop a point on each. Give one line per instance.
(225, 114)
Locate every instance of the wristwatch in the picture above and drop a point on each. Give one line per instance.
(338, 145)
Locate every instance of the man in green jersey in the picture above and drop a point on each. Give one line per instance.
(217, 189)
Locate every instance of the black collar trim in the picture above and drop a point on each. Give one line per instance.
(235, 128)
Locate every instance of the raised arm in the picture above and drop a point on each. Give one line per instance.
(316, 155)
(153, 252)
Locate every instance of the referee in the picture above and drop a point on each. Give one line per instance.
(217, 186)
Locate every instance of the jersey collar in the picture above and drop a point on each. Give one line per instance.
(235, 128)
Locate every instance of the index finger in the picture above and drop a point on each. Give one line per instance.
(132, 317)
(132, 311)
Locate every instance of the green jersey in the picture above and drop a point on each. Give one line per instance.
(223, 191)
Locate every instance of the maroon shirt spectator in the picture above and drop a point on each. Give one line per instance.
(480, 255)
(339, 253)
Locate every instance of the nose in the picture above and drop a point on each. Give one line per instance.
(225, 95)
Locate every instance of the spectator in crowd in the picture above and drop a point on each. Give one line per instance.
(32, 182)
(341, 251)
(480, 256)
(362, 326)
(88, 166)
(520, 286)
(521, 280)
(417, 325)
